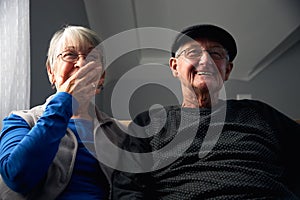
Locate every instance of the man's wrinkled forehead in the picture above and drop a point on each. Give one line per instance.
(200, 43)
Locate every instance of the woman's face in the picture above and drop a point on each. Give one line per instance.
(69, 61)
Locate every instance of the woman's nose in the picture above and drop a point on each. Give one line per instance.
(81, 61)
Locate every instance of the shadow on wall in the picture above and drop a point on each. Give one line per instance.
(143, 98)
(277, 85)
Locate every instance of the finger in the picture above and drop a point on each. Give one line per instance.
(90, 78)
(88, 74)
(90, 68)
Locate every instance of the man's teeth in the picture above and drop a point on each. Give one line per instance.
(204, 73)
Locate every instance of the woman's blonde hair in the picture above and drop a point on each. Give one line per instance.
(76, 36)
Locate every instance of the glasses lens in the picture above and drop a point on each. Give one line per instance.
(216, 53)
(70, 56)
(193, 53)
(94, 56)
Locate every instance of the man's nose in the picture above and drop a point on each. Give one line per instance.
(205, 57)
(205, 61)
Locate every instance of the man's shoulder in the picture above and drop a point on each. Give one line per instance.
(158, 111)
(258, 109)
(246, 102)
(249, 105)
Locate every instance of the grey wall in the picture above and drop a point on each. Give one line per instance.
(277, 85)
(46, 17)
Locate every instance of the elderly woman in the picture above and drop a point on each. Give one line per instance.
(43, 151)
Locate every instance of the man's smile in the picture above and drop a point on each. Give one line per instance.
(204, 73)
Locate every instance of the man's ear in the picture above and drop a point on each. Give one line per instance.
(229, 67)
(173, 66)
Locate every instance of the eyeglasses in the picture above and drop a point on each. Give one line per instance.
(216, 53)
(73, 56)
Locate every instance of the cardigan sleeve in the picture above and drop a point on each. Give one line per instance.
(127, 185)
(27, 152)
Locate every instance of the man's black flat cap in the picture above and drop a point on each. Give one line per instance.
(208, 31)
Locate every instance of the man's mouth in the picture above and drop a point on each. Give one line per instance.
(204, 73)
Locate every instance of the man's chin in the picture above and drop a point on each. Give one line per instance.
(207, 87)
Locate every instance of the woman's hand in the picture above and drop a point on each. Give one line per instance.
(83, 84)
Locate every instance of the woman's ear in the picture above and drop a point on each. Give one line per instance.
(50, 75)
(173, 66)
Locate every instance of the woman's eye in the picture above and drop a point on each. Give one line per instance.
(94, 57)
(70, 54)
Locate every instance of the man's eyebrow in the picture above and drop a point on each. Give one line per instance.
(199, 46)
(194, 45)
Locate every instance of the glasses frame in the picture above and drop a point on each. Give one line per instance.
(202, 50)
(71, 61)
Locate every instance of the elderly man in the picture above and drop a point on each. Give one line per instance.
(223, 149)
